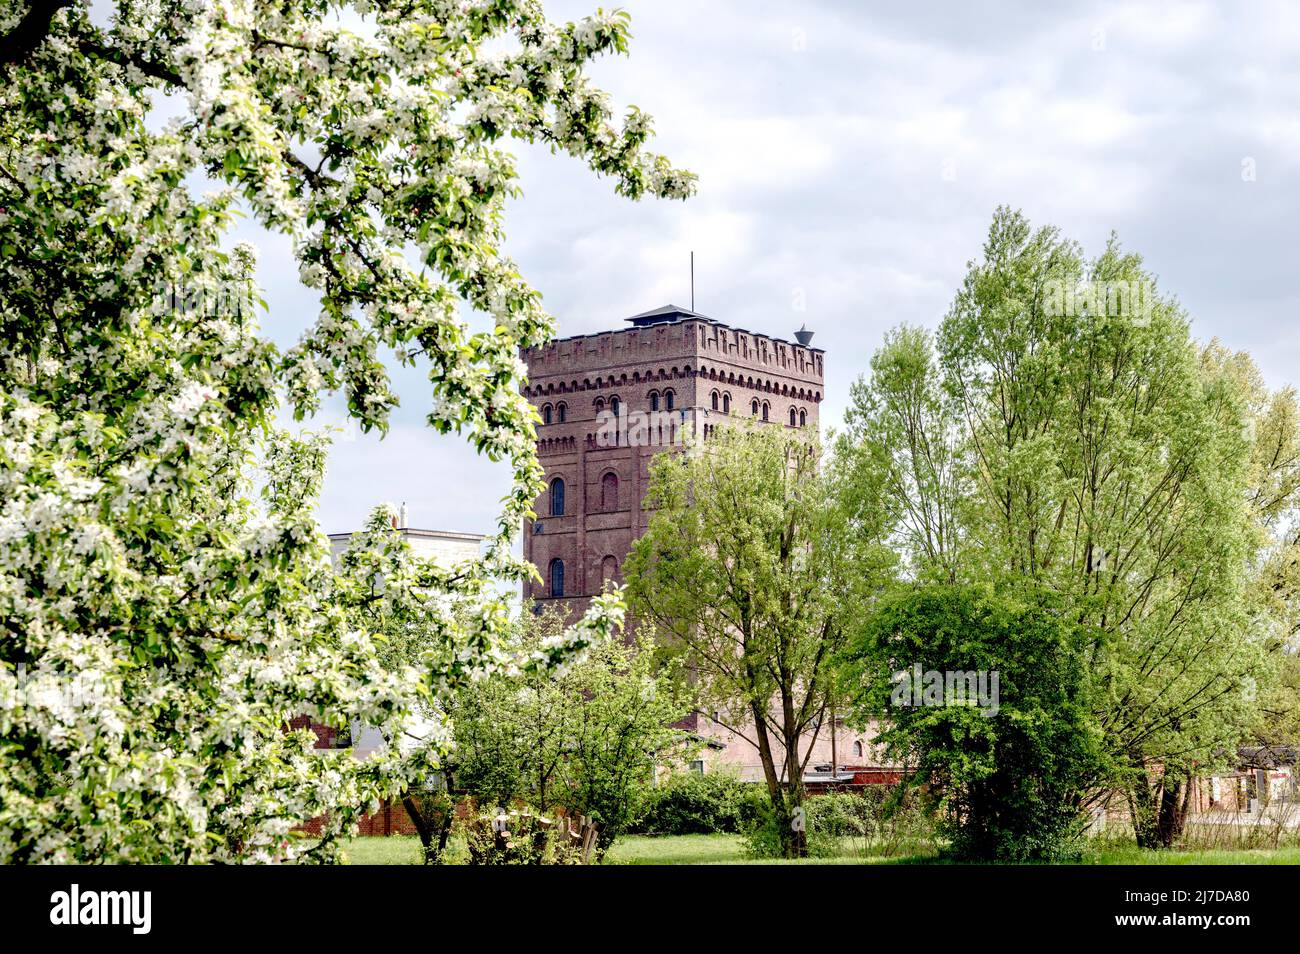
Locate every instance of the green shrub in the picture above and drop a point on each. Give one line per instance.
(691, 804)
(830, 818)
(879, 820)
(1007, 774)
(523, 836)
(841, 815)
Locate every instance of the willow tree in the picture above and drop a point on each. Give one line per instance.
(1063, 430)
(166, 609)
(748, 567)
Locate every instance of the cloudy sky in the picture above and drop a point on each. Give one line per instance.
(850, 157)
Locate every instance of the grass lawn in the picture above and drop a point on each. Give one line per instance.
(730, 849)
(1132, 855)
(707, 850)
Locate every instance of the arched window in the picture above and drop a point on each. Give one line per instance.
(557, 497)
(857, 750)
(561, 411)
(753, 407)
(803, 417)
(546, 414)
(654, 400)
(766, 407)
(600, 405)
(614, 405)
(726, 404)
(794, 417)
(668, 400)
(557, 577)
(609, 491)
(609, 570)
(713, 398)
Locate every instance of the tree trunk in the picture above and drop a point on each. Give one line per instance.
(1175, 801)
(793, 844)
(1159, 805)
(798, 846)
(1141, 802)
(432, 831)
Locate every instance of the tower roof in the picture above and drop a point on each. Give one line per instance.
(663, 314)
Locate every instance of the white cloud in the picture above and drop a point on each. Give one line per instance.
(822, 168)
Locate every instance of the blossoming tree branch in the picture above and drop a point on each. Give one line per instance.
(167, 601)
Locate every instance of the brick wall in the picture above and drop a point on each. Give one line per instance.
(698, 361)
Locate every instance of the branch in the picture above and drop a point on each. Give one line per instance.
(24, 39)
(122, 59)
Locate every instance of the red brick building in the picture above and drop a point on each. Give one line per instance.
(609, 402)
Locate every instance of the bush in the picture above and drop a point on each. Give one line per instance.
(524, 836)
(841, 815)
(830, 818)
(691, 804)
(880, 820)
(1006, 769)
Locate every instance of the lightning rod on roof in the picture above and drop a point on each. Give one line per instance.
(692, 279)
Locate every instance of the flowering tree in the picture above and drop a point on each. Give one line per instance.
(167, 605)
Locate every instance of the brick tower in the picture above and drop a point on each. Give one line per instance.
(610, 401)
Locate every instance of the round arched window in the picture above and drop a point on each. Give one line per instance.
(557, 497)
(557, 577)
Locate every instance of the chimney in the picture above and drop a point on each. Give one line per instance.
(401, 516)
(803, 336)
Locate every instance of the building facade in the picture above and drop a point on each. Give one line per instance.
(444, 547)
(610, 402)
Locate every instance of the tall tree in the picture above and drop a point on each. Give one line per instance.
(745, 566)
(136, 389)
(1102, 456)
